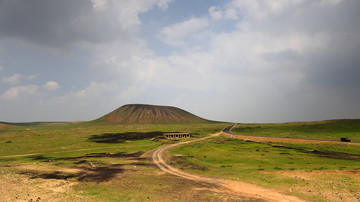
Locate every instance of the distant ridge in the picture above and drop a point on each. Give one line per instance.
(142, 113)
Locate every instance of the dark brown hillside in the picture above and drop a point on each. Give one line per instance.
(141, 113)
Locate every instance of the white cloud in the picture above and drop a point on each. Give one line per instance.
(175, 34)
(231, 13)
(14, 79)
(85, 102)
(137, 5)
(51, 85)
(163, 4)
(331, 2)
(99, 4)
(31, 77)
(126, 13)
(259, 66)
(259, 9)
(92, 94)
(178, 100)
(215, 13)
(19, 91)
(264, 61)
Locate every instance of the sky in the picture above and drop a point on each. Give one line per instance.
(226, 60)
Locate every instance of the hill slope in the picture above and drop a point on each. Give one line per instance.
(140, 113)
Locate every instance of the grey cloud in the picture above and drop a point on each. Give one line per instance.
(340, 70)
(55, 23)
(338, 64)
(287, 55)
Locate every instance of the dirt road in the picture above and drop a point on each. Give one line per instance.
(233, 187)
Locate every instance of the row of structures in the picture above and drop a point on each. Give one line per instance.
(176, 135)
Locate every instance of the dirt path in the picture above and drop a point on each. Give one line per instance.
(234, 187)
(289, 140)
(283, 139)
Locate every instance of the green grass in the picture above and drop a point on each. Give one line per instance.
(47, 147)
(54, 141)
(50, 138)
(242, 156)
(83, 144)
(327, 147)
(322, 130)
(258, 163)
(144, 185)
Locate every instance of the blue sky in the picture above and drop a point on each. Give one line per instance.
(231, 60)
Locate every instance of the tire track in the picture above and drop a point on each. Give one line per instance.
(233, 187)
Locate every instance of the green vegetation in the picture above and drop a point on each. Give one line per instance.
(57, 138)
(265, 165)
(105, 161)
(101, 162)
(327, 147)
(322, 130)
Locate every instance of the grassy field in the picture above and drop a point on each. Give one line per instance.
(54, 138)
(322, 130)
(327, 147)
(91, 161)
(303, 174)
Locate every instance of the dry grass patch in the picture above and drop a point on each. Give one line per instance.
(330, 185)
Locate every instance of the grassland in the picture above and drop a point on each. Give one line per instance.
(93, 161)
(303, 174)
(321, 130)
(90, 161)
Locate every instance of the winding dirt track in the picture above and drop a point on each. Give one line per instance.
(233, 187)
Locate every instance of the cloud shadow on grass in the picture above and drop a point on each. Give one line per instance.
(122, 137)
(98, 174)
(89, 173)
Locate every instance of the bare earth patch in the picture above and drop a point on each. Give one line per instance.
(44, 167)
(44, 181)
(15, 187)
(332, 185)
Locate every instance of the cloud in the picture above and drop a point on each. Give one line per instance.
(99, 4)
(176, 34)
(330, 2)
(94, 89)
(14, 79)
(261, 9)
(215, 14)
(19, 91)
(1, 67)
(86, 101)
(279, 50)
(273, 61)
(163, 4)
(64, 23)
(32, 77)
(51, 85)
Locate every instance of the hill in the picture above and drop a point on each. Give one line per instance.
(141, 113)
